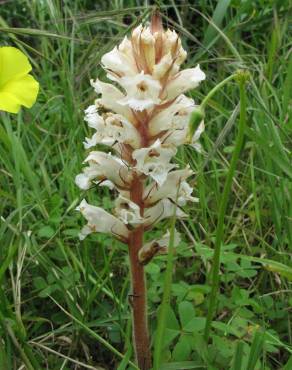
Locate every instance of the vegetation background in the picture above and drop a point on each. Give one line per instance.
(64, 304)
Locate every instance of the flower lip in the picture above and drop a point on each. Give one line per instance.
(183, 81)
(100, 221)
(155, 160)
(128, 211)
(142, 91)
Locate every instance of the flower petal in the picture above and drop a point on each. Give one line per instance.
(110, 96)
(164, 241)
(24, 91)
(154, 160)
(184, 81)
(175, 116)
(127, 211)
(163, 66)
(142, 91)
(163, 209)
(119, 129)
(171, 188)
(93, 118)
(104, 166)
(13, 64)
(100, 221)
(120, 61)
(83, 181)
(9, 103)
(156, 247)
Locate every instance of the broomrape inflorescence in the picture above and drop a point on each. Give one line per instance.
(142, 115)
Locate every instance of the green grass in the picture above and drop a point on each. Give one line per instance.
(64, 304)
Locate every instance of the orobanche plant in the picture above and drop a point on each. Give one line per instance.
(142, 115)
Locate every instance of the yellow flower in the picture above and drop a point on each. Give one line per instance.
(17, 87)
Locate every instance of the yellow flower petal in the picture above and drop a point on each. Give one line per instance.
(13, 64)
(23, 90)
(8, 103)
(17, 87)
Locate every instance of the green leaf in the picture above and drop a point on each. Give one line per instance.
(182, 349)
(171, 320)
(169, 336)
(48, 290)
(225, 328)
(186, 312)
(152, 268)
(184, 365)
(195, 325)
(46, 232)
(39, 282)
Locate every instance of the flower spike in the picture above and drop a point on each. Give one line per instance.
(141, 116)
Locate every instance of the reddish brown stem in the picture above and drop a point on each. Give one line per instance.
(138, 297)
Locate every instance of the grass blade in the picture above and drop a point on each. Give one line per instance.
(255, 350)
(222, 209)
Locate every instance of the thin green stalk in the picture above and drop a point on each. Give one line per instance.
(198, 114)
(158, 344)
(241, 77)
(215, 89)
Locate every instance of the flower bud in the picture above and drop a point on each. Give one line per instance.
(197, 116)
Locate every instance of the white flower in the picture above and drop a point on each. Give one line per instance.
(142, 91)
(83, 181)
(104, 166)
(147, 42)
(127, 211)
(154, 160)
(156, 52)
(172, 44)
(93, 118)
(96, 121)
(120, 129)
(173, 122)
(185, 194)
(114, 128)
(175, 187)
(184, 81)
(100, 221)
(155, 247)
(120, 61)
(163, 209)
(110, 96)
(164, 241)
(175, 116)
(143, 47)
(161, 68)
(93, 140)
(179, 136)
